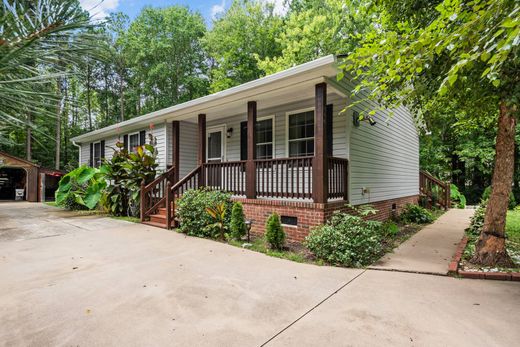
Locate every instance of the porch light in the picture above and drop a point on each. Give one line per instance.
(229, 132)
(249, 224)
(372, 121)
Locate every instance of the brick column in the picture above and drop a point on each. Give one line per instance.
(320, 174)
(251, 151)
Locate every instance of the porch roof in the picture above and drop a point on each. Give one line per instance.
(268, 91)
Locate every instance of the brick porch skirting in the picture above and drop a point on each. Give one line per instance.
(309, 214)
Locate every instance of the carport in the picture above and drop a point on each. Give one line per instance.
(33, 182)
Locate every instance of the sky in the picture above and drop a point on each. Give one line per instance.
(208, 8)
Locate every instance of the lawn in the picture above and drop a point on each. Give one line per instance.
(513, 234)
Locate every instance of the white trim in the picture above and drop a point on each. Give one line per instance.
(302, 70)
(222, 128)
(273, 124)
(289, 113)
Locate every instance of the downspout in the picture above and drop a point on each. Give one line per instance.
(79, 156)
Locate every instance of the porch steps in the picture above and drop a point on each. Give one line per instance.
(159, 219)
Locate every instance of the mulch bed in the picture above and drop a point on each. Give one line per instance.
(457, 268)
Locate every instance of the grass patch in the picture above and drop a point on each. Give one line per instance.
(260, 245)
(50, 203)
(127, 219)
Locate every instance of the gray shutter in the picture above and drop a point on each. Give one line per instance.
(142, 137)
(91, 160)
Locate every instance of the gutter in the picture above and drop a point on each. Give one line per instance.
(79, 155)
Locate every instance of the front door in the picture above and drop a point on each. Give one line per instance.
(215, 154)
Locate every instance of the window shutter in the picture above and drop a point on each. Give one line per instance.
(243, 141)
(91, 160)
(125, 142)
(102, 149)
(142, 138)
(329, 130)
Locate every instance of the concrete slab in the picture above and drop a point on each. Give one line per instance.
(132, 285)
(383, 308)
(431, 249)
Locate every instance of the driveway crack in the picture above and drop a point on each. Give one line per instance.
(313, 308)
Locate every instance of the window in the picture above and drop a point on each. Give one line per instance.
(133, 141)
(97, 154)
(264, 138)
(301, 134)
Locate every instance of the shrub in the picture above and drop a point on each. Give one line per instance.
(238, 222)
(218, 214)
(346, 240)
(457, 198)
(80, 189)
(274, 233)
(415, 214)
(477, 221)
(389, 229)
(192, 213)
(511, 204)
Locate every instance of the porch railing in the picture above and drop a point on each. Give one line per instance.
(434, 190)
(284, 178)
(338, 178)
(153, 194)
(228, 176)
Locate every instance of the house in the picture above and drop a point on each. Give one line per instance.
(281, 144)
(31, 181)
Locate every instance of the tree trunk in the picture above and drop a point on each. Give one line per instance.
(28, 140)
(89, 105)
(490, 249)
(58, 126)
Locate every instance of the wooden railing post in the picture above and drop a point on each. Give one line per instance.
(201, 156)
(251, 151)
(320, 172)
(448, 196)
(345, 182)
(168, 206)
(175, 150)
(142, 201)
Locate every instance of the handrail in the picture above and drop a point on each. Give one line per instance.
(426, 184)
(159, 178)
(153, 193)
(432, 178)
(185, 179)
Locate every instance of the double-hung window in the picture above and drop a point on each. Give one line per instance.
(133, 140)
(97, 154)
(264, 138)
(301, 134)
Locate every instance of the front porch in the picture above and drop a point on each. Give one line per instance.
(306, 169)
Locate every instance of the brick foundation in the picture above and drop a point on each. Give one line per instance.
(309, 214)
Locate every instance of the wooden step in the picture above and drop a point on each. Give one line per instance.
(158, 218)
(162, 211)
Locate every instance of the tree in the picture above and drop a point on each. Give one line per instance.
(468, 53)
(314, 29)
(246, 33)
(167, 63)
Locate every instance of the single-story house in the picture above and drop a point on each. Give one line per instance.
(21, 179)
(281, 143)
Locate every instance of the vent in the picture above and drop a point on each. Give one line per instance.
(289, 220)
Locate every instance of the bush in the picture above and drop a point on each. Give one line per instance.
(477, 221)
(274, 233)
(346, 240)
(389, 229)
(80, 189)
(238, 222)
(511, 204)
(457, 198)
(192, 213)
(415, 214)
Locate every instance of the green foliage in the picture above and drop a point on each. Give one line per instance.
(218, 214)
(416, 214)
(246, 33)
(346, 240)
(80, 189)
(192, 213)
(389, 229)
(477, 220)
(125, 171)
(510, 205)
(457, 198)
(274, 233)
(238, 222)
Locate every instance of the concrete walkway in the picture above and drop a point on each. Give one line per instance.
(76, 281)
(431, 249)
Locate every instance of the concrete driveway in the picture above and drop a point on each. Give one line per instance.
(67, 280)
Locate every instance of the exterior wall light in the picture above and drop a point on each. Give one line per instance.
(229, 132)
(249, 224)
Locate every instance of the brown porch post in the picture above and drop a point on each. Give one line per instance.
(175, 150)
(251, 151)
(202, 147)
(320, 173)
